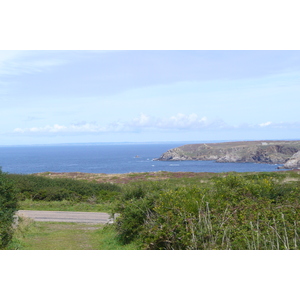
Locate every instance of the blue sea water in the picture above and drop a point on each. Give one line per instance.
(109, 159)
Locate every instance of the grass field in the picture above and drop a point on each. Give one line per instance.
(32, 235)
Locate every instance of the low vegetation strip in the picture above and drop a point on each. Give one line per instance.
(127, 177)
(178, 210)
(49, 193)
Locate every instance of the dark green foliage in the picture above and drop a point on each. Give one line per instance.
(57, 189)
(133, 217)
(54, 193)
(8, 207)
(135, 206)
(235, 212)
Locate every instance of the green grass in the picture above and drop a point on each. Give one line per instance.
(107, 238)
(31, 235)
(60, 236)
(63, 205)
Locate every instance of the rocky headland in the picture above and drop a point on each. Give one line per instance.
(269, 152)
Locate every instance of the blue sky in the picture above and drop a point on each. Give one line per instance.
(50, 97)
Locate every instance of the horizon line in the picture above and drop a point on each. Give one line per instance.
(150, 142)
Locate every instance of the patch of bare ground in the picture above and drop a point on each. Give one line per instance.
(125, 178)
(290, 179)
(297, 171)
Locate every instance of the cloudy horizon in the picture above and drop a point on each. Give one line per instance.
(51, 97)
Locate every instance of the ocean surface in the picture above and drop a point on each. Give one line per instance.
(109, 159)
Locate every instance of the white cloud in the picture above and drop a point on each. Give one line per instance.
(184, 122)
(281, 125)
(177, 122)
(82, 127)
(180, 122)
(142, 121)
(265, 124)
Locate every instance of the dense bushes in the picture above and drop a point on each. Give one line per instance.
(40, 188)
(235, 212)
(8, 207)
(136, 206)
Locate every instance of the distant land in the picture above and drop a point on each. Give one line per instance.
(269, 152)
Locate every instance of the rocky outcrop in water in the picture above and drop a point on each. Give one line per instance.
(270, 152)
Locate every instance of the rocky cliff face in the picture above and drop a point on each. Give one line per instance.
(271, 152)
(293, 162)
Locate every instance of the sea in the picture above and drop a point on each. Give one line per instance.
(109, 159)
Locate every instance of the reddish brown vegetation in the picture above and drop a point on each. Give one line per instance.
(128, 177)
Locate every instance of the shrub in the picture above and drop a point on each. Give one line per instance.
(55, 194)
(8, 207)
(135, 206)
(235, 212)
(40, 188)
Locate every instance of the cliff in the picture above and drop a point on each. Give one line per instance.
(270, 152)
(293, 162)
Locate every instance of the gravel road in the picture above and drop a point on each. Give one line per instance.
(66, 216)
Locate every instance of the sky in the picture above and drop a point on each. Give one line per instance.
(91, 96)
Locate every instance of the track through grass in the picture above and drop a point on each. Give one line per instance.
(32, 235)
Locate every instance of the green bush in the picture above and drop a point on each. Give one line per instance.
(8, 207)
(55, 194)
(38, 188)
(136, 206)
(235, 212)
